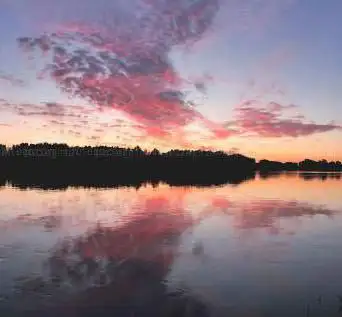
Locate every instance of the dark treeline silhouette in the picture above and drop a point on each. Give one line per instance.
(58, 166)
(305, 165)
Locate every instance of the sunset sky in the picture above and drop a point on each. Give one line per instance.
(258, 77)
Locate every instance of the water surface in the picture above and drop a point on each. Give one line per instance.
(270, 246)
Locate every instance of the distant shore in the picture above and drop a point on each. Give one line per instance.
(62, 164)
(63, 152)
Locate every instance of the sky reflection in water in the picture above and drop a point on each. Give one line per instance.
(270, 246)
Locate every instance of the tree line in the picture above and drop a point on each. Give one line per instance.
(61, 164)
(59, 151)
(57, 165)
(305, 165)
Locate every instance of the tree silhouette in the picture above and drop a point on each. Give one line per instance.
(56, 165)
(59, 165)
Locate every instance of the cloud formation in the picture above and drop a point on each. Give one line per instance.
(124, 64)
(48, 110)
(10, 79)
(268, 121)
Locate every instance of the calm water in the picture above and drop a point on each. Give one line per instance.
(267, 247)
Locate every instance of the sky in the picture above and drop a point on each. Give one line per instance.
(258, 77)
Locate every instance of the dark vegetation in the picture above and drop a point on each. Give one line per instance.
(59, 166)
(305, 165)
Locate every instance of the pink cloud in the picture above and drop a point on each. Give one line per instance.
(123, 63)
(268, 121)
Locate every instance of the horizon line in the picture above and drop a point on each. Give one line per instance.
(228, 153)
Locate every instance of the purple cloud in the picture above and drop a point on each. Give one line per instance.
(123, 63)
(268, 121)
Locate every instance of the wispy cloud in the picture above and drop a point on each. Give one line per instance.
(48, 110)
(12, 80)
(268, 121)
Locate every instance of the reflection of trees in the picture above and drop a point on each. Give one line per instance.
(320, 176)
(305, 175)
(266, 175)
